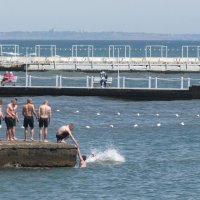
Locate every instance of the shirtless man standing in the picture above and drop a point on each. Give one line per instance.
(15, 120)
(28, 112)
(44, 119)
(10, 119)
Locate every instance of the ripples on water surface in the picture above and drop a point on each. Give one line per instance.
(157, 159)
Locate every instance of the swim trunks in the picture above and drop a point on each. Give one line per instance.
(43, 122)
(9, 122)
(28, 121)
(62, 136)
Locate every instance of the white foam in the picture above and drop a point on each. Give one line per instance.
(109, 155)
(87, 126)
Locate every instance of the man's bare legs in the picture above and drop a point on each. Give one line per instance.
(45, 134)
(40, 134)
(26, 134)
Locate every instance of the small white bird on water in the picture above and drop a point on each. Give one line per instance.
(87, 126)
(158, 124)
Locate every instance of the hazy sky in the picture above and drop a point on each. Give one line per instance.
(151, 16)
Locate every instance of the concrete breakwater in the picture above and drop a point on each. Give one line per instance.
(35, 154)
(131, 94)
(157, 64)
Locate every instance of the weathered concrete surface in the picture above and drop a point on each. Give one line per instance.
(36, 154)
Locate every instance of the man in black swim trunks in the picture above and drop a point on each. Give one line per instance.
(28, 112)
(44, 119)
(64, 132)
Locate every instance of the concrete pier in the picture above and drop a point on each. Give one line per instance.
(157, 64)
(35, 154)
(131, 94)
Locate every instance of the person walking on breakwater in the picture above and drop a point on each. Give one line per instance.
(44, 116)
(28, 111)
(1, 112)
(64, 132)
(10, 119)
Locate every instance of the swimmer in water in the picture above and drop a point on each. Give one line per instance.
(82, 163)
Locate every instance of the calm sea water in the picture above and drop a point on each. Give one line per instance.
(144, 150)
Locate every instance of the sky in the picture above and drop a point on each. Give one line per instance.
(148, 16)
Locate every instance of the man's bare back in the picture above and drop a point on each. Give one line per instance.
(44, 111)
(28, 109)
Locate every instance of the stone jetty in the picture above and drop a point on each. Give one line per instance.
(36, 154)
(158, 64)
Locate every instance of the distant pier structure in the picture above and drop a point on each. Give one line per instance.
(91, 58)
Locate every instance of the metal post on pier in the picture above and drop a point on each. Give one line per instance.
(189, 82)
(124, 82)
(60, 81)
(156, 82)
(149, 81)
(118, 78)
(87, 81)
(92, 82)
(181, 82)
(30, 81)
(56, 80)
(26, 66)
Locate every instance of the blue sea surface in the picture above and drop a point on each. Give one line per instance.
(143, 150)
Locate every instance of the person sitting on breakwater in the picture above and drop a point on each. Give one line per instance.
(11, 77)
(5, 77)
(28, 111)
(10, 119)
(104, 78)
(44, 116)
(64, 132)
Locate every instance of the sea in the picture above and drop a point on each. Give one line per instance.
(143, 150)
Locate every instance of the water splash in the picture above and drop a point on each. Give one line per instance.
(109, 155)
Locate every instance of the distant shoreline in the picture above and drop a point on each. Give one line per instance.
(73, 35)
